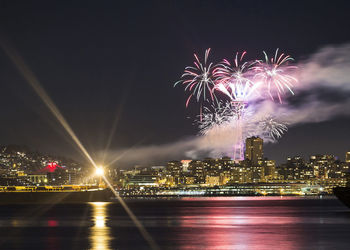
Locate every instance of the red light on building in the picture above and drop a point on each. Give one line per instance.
(52, 223)
(51, 167)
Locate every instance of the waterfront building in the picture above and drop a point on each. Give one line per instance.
(60, 177)
(293, 169)
(322, 165)
(258, 174)
(212, 181)
(269, 169)
(188, 179)
(142, 180)
(38, 178)
(245, 173)
(236, 174)
(174, 171)
(225, 177)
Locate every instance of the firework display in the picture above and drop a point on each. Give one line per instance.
(274, 73)
(198, 79)
(231, 93)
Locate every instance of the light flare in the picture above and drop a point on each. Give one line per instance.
(35, 84)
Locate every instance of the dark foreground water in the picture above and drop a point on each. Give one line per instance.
(190, 223)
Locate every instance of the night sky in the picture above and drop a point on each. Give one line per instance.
(99, 60)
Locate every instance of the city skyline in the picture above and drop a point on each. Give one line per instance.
(22, 169)
(16, 156)
(99, 86)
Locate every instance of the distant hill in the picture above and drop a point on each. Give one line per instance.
(23, 158)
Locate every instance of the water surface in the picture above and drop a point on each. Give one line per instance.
(188, 223)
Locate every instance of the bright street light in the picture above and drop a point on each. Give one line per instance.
(99, 171)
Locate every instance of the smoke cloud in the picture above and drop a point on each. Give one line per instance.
(322, 93)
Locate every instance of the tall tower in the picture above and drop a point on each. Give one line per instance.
(254, 149)
(238, 148)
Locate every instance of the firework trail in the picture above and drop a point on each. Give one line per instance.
(271, 129)
(215, 116)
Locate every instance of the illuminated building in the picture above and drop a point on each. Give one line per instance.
(330, 183)
(212, 165)
(38, 178)
(59, 177)
(235, 174)
(254, 149)
(225, 178)
(142, 180)
(322, 164)
(226, 163)
(347, 157)
(197, 169)
(212, 180)
(258, 174)
(188, 179)
(160, 172)
(269, 169)
(294, 169)
(245, 173)
(174, 171)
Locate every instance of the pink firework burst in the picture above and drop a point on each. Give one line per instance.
(275, 74)
(198, 79)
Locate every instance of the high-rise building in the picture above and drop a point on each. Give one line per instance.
(347, 157)
(254, 149)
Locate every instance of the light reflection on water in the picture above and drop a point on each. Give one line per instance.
(100, 233)
(190, 223)
(224, 229)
